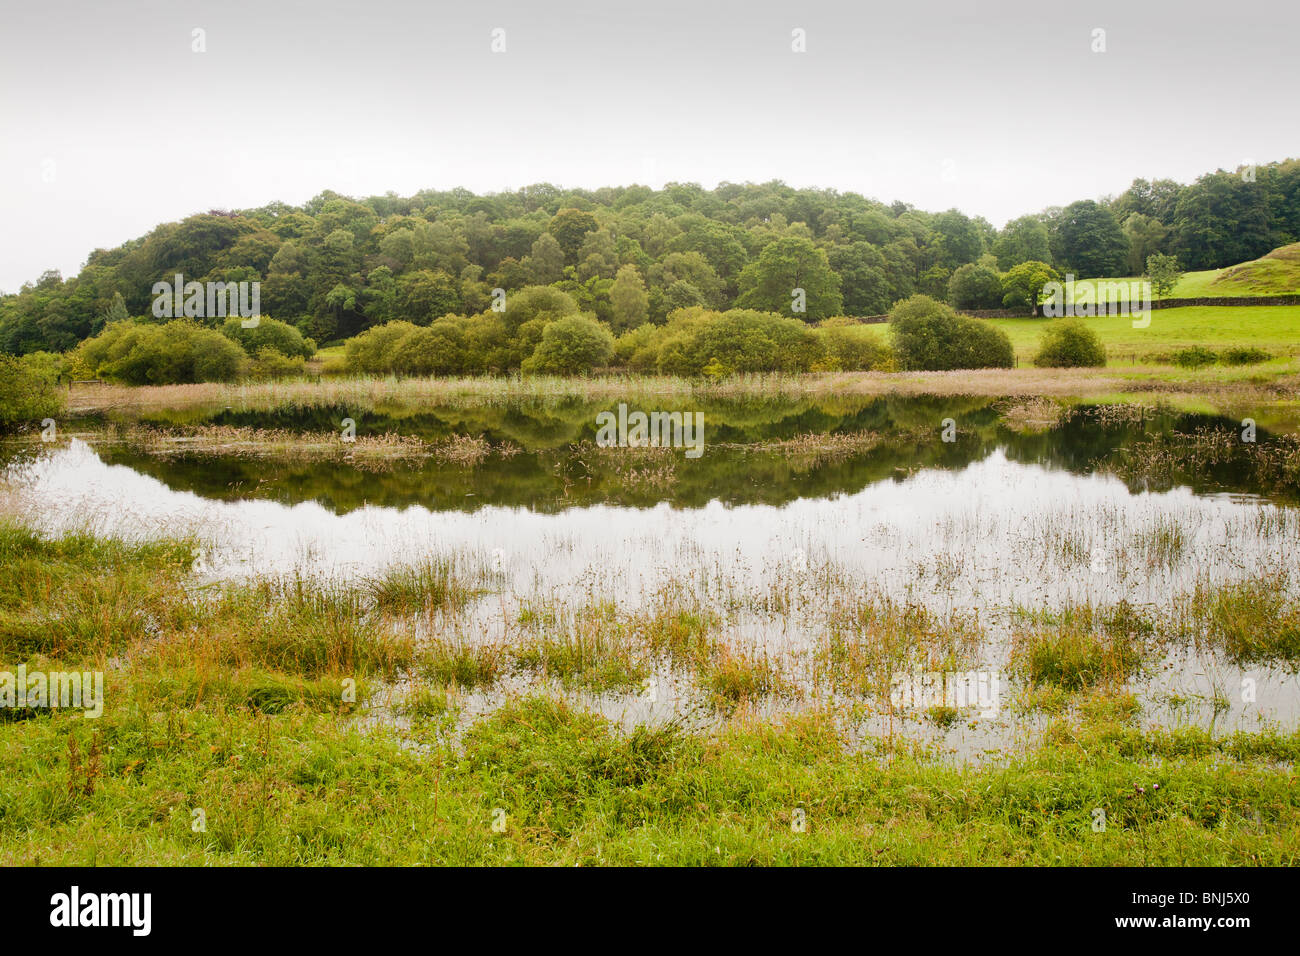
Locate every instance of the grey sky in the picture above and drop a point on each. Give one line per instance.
(111, 124)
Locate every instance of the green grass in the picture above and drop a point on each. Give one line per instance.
(1277, 273)
(564, 787)
(238, 707)
(1275, 329)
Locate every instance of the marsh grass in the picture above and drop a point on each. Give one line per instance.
(870, 637)
(431, 584)
(593, 647)
(1252, 621)
(462, 663)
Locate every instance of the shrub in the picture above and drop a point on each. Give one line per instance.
(27, 392)
(1070, 343)
(853, 348)
(271, 363)
(571, 345)
(269, 333)
(740, 340)
(1243, 356)
(930, 336)
(1195, 357)
(177, 352)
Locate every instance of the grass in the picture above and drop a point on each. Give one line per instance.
(1277, 273)
(261, 704)
(565, 787)
(1274, 329)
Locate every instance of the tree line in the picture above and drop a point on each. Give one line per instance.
(336, 266)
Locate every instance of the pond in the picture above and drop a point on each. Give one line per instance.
(793, 511)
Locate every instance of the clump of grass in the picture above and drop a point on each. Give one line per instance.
(732, 678)
(78, 596)
(1075, 658)
(188, 686)
(1251, 621)
(685, 634)
(301, 627)
(870, 638)
(431, 584)
(462, 663)
(592, 647)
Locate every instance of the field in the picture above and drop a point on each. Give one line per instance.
(1277, 273)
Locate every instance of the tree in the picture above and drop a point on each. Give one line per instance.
(546, 261)
(785, 269)
(930, 336)
(863, 282)
(1022, 286)
(1070, 343)
(1022, 240)
(975, 286)
(1144, 235)
(1091, 241)
(629, 299)
(571, 345)
(570, 227)
(1163, 273)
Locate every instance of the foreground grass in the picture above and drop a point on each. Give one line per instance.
(237, 730)
(541, 783)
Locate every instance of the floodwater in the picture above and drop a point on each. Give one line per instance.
(1004, 516)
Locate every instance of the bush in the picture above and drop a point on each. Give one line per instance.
(27, 391)
(853, 348)
(930, 336)
(571, 345)
(177, 352)
(269, 333)
(975, 286)
(1070, 343)
(1243, 356)
(737, 341)
(271, 363)
(1197, 356)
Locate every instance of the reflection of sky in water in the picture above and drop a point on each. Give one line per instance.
(990, 536)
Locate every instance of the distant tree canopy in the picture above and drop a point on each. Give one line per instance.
(337, 266)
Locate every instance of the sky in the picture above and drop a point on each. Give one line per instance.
(111, 121)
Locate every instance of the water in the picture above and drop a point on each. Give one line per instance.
(1005, 517)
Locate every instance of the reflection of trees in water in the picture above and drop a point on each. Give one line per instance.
(558, 468)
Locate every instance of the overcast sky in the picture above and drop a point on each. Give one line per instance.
(112, 124)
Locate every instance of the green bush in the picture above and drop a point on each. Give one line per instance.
(1195, 357)
(271, 363)
(28, 394)
(569, 346)
(1243, 356)
(1070, 343)
(737, 341)
(931, 336)
(853, 347)
(177, 352)
(269, 333)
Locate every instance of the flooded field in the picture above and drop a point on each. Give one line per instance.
(815, 554)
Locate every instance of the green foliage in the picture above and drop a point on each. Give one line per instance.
(569, 346)
(1196, 356)
(1070, 343)
(853, 347)
(1243, 356)
(269, 333)
(785, 266)
(740, 340)
(1022, 286)
(29, 391)
(930, 336)
(1163, 272)
(179, 351)
(975, 286)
